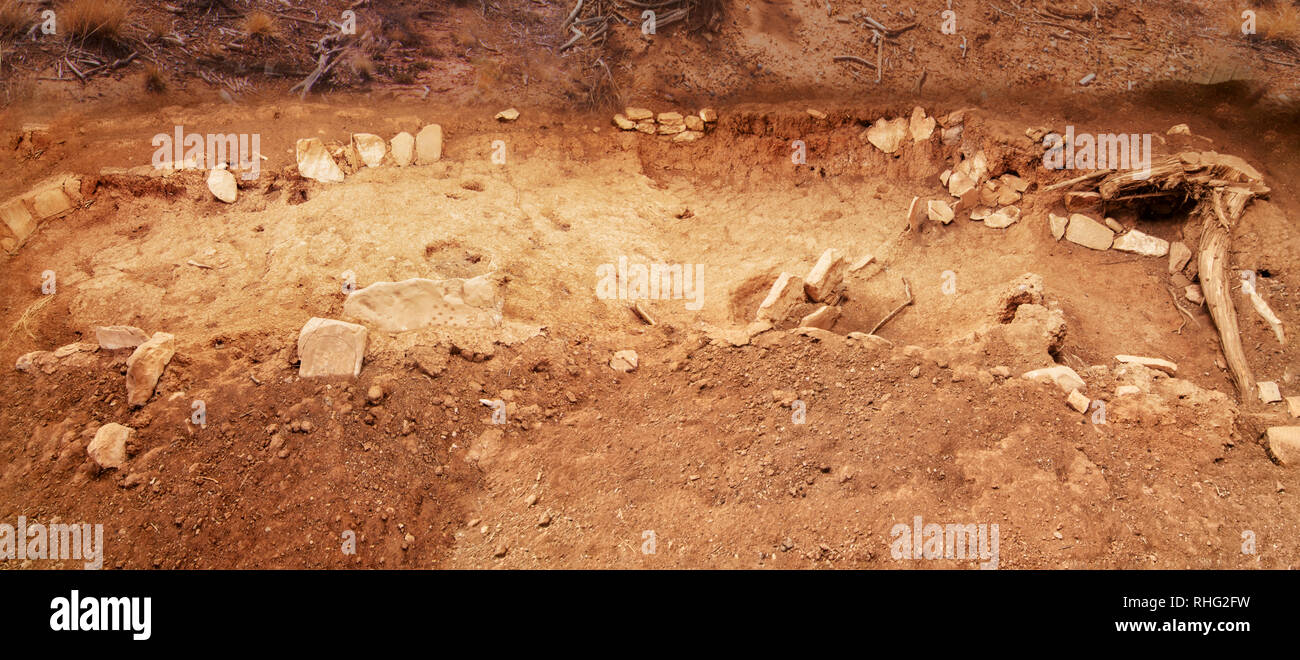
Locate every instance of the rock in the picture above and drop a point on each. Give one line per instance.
(939, 211)
(145, 367)
(624, 123)
(1089, 233)
(1003, 218)
(823, 318)
(1293, 406)
(671, 129)
(1007, 196)
(113, 337)
(315, 162)
(370, 147)
(916, 213)
(887, 134)
(1139, 243)
(1057, 224)
(1284, 444)
(687, 136)
(77, 347)
(1268, 391)
(419, 303)
(374, 394)
(709, 115)
(1015, 183)
(108, 449)
(1078, 401)
(1127, 390)
(648, 127)
(1179, 129)
(952, 135)
(959, 184)
(42, 360)
(1179, 255)
(639, 114)
(1081, 201)
(694, 123)
(50, 202)
(624, 361)
(1063, 376)
(671, 119)
(920, 127)
(330, 348)
(862, 262)
(403, 148)
(873, 342)
(222, 185)
(786, 292)
(509, 114)
(15, 215)
(815, 114)
(1194, 294)
(1113, 225)
(428, 145)
(1024, 290)
(826, 275)
(1150, 362)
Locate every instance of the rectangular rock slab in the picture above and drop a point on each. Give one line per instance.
(1139, 243)
(1150, 362)
(327, 347)
(1268, 391)
(1089, 233)
(428, 145)
(19, 220)
(113, 337)
(1284, 444)
(786, 292)
(1293, 405)
(826, 275)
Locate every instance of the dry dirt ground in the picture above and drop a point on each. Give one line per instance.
(699, 445)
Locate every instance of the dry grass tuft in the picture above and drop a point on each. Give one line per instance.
(102, 21)
(261, 25)
(154, 80)
(15, 18)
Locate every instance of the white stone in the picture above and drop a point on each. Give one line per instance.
(1150, 362)
(1063, 376)
(403, 149)
(823, 318)
(108, 449)
(370, 147)
(1179, 255)
(1057, 224)
(786, 292)
(1194, 294)
(428, 145)
(1078, 401)
(145, 367)
(509, 114)
(113, 337)
(1139, 243)
(331, 348)
(315, 161)
(826, 275)
(920, 126)
(419, 303)
(623, 361)
(1268, 391)
(939, 211)
(1089, 233)
(887, 134)
(222, 185)
(1002, 218)
(1127, 390)
(1284, 444)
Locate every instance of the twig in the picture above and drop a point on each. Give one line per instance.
(852, 58)
(1180, 309)
(907, 289)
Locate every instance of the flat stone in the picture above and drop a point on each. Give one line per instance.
(1057, 224)
(1002, 218)
(671, 119)
(419, 303)
(1139, 243)
(671, 129)
(647, 126)
(1113, 225)
(315, 161)
(815, 114)
(1127, 390)
(1089, 233)
(1284, 444)
(639, 114)
(939, 211)
(331, 348)
(1293, 406)
(1179, 255)
(1268, 391)
(428, 145)
(624, 123)
(887, 134)
(1078, 401)
(786, 292)
(687, 136)
(50, 202)
(694, 123)
(1014, 182)
(1063, 376)
(1194, 294)
(952, 135)
(823, 318)
(959, 184)
(108, 449)
(920, 127)
(509, 114)
(113, 337)
(403, 148)
(76, 347)
(826, 275)
(42, 360)
(1150, 362)
(371, 148)
(18, 219)
(709, 115)
(624, 361)
(222, 185)
(145, 367)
